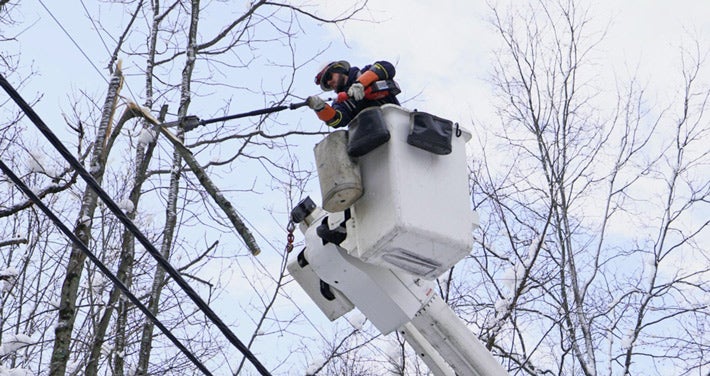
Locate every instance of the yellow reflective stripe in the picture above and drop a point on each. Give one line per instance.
(384, 75)
(336, 119)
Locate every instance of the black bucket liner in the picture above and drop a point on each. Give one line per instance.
(366, 132)
(430, 133)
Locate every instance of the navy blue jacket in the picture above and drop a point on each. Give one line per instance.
(345, 111)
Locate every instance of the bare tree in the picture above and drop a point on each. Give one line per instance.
(191, 49)
(578, 269)
(581, 266)
(70, 287)
(29, 261)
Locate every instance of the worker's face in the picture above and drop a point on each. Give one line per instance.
(336, 81)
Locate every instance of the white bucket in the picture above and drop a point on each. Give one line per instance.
(415, 213)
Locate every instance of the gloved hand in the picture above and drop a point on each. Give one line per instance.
(356, 91)
(315, 103)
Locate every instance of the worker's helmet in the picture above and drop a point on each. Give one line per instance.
(324, 75)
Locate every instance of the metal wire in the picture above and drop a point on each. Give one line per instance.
(58, 222)
(130, 226)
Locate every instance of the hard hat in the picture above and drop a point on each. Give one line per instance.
(323, 76)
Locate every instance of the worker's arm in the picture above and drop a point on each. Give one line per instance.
(334, 116)
(381, 70)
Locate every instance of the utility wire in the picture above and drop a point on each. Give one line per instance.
(58, 222)
(96, 27)
(73, 41)
(78, 47)
(204, 307)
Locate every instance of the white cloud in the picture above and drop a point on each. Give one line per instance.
(439, 49)
(442, 49)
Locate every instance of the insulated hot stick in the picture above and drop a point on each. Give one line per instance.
(191, 122)
(377, 90)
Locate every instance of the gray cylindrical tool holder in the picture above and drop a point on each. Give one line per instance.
(339, 175)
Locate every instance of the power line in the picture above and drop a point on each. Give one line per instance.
(96, 28)
(73, 41)
(105, 270)
(108, 201)
(78, 47)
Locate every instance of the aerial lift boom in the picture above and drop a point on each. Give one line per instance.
(398, 217)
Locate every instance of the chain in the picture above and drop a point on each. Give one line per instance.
(289, 238)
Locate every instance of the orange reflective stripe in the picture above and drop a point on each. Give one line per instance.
(368, 78)
(327, 113)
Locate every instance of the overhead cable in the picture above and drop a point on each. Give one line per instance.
(105, 270)
(108, 201)
(91, 62)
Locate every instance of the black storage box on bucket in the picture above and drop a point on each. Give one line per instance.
(366, 132)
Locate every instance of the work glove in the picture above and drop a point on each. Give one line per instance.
(356, 91)
(315, 103)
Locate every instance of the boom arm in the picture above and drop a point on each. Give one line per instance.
(391, 300)
(401, 218)
(453, 341)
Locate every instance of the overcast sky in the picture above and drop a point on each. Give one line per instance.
(442, 49)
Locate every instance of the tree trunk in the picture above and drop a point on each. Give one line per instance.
(75, 266)
(171, 209)
(125, 266)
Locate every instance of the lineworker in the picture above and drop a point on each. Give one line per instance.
(339, 76)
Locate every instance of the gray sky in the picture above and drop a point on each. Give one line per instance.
(442, 49)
